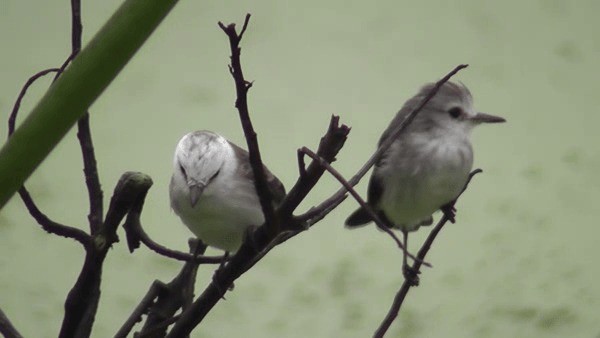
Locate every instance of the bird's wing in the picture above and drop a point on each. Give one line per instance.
(245, 170)
(360, 216)
(375, 190)
(398, 118)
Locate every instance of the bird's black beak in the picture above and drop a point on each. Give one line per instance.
(486, 118)
(195, 192)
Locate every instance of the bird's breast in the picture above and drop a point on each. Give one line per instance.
(421, 177)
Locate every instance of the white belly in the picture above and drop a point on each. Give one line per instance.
(413, 190)
(222, 215)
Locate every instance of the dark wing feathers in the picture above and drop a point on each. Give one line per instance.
(245, 170)
(358, 218)
(375, 190)
(361, 216)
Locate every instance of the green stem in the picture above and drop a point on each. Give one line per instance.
(76, 89)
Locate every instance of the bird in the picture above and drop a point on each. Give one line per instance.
(426, 166)
(212, 189)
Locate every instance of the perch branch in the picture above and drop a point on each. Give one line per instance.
(401, 294)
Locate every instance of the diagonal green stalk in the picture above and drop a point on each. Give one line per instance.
(76, 89)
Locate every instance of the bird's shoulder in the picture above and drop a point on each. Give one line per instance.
(245, 170)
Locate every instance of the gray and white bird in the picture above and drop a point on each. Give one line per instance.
(212, 189)
(428, 164)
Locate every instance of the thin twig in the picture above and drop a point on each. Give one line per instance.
(136, 234)
(163, 300)
(241, 103)
(90, 170)
(158, 328)
(6, 327)
(401, 294)
(155, 289)
(301, 164)
(380, 224)
(339, 196)
(76, 27)
(63, 67)
(329, 146)
(47, 224)
(84, 134)
(13, 115)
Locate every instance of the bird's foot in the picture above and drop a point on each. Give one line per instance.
(449, 211)
(216, 278)
(411, 275)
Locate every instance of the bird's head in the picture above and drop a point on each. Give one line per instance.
(450, 110)
(198, 159)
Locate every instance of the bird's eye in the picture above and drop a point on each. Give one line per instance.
(183, 171)
(455, 112)
(215, 175)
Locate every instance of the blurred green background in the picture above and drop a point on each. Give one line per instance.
(521, 260)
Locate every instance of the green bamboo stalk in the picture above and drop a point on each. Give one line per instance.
(76, 89)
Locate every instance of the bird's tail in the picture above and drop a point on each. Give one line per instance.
(358, 218)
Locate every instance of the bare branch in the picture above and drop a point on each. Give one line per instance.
(246, 21)
(63, 67)
(142, 308)
(84, 134)
(178, 293)
(330, 145)
(241, 103)
(136, 235)
(47, 224)
(6, 327)
(301, 164)
(82, 302)
(401, 294)
(158, 330)
(338, 197)
(90, 170)
(13, 115)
